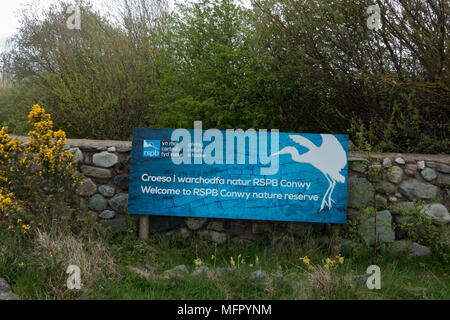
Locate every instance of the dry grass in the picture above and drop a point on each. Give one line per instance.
(93, 258)
(322, 281)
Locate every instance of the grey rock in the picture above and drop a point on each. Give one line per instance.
(404, 208)
(410, 248)
(421, 165)
(88, 188)
(411, 169)
(181, 269)
(201, 271)
(148, 268)
(78, 155)
(395, 174)
(431, 164)
(105, 159)
(384, 232)
(97, 203)
(259, 275)
(106, 191)
(444, 168)
(119, 202)
(107, 214)
(380, 201)
(437, 212)
(216, 225)
(387, 163)
(360, 192)
(376, 166)
(361, 168)
(94, 172)
(418, 292)
(92, 149)
(399, 160)
(444, 179)
(217, 237)
(356, 159)
(122, 181)
(385, 187)
(123, 150)
(195, 223)
(112, 149)
(300, 229)
(428, 174)
(413, 189)
(5, 291)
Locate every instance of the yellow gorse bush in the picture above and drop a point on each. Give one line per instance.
(47, 146)
(26, 168)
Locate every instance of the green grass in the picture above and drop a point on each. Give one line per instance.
(401, 277)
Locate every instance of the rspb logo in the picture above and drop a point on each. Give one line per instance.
(151, 148)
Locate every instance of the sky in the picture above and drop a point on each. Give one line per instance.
(9, 15)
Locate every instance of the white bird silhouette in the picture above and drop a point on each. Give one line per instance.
(330, 158)
(149, 144)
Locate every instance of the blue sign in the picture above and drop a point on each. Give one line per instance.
(238, 174)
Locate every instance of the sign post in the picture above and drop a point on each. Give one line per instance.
(143, 227)
(236, 174)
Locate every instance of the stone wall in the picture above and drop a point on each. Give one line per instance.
(393, 181)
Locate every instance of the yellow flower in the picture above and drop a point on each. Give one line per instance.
(21, 264)
(251, 265)
(213, 257)
(233, 263)
(198, 262)
(305, 260)
(256, 259)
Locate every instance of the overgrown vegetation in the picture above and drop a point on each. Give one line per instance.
(311, 66)
(43, 227)
(121, 273)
